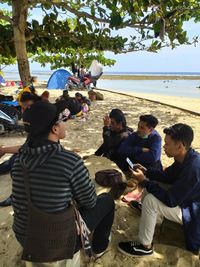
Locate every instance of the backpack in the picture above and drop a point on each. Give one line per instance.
(95, 95)
(108, 177)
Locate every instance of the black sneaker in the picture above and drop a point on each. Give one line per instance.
(134, 249)
(136, 205)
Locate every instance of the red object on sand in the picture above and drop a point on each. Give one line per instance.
(132, 196)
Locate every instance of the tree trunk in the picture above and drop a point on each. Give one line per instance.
(20, 11)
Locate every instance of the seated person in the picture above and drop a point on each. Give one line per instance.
(59, 177)
(114, 132)
(180, 203)
(82, 99)
(27, 99)
(64, 95)
(73, 105)
(143, 146)
(45, 96)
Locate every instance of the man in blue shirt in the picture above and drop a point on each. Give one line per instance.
(180, 203)
(142, 146)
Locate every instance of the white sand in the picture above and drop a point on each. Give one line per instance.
(85, 137)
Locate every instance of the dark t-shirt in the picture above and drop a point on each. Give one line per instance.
(73, 105)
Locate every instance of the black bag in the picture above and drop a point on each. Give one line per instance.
(6, 97)
(108, 177)
(49, 237)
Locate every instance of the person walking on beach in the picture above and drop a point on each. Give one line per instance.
(46, 179)
(180, 203)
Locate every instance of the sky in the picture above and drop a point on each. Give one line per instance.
(185, 58)
(181, 59)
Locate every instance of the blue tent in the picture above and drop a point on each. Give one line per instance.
(1, 79)
(58, 79)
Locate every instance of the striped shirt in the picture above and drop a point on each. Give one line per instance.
(57, 177)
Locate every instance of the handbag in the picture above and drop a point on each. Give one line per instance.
(49, 236)
(108, 177)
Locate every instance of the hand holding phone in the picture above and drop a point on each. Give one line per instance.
(130, 163)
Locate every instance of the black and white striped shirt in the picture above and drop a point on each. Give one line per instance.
(57, 177)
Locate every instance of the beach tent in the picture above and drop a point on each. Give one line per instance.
(58, 79)
(2, 79)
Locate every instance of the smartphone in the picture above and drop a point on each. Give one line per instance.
(130, 163)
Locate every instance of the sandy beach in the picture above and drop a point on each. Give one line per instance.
(85, 136)
(191, 105)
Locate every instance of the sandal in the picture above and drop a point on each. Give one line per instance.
(136, 205)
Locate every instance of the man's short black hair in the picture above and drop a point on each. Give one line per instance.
(181, 132)
(78, 95)
(150, 120)
(118, 116)
(26, 96)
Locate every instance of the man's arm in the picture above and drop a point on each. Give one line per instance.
(183, 189)
(162, 176)
(82, 187)
(9, 150)
(150, 154)
(128, 147)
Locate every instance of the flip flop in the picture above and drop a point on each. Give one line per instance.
(136, 205)
(130, 196)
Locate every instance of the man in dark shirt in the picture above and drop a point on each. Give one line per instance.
(115, 131)
(142, 146)
(180, 203)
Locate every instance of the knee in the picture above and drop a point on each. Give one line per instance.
(107, 200)
(149, 201)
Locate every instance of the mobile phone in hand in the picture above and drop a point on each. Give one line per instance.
(130, 163)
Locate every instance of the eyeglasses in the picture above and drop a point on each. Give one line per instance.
(63, 116)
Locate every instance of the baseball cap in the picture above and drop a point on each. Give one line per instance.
(42, 115)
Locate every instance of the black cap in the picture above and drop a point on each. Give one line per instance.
(42, 115)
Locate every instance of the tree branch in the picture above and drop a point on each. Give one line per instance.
(5, 17)
(79, 14)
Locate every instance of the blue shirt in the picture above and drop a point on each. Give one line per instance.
(184, 192)
(132, 148)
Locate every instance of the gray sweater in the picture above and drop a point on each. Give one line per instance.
(57, 176)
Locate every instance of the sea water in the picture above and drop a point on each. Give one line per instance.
(184, 88)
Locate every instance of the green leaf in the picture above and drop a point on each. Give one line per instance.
(116, 20)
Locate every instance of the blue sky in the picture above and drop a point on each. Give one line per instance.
(182, 59)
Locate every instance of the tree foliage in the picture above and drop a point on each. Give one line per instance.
(75, 25)
(69, 55)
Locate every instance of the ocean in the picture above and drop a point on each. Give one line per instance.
(184, 88)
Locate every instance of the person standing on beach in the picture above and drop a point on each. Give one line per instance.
(180, 203)
(46, 179)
